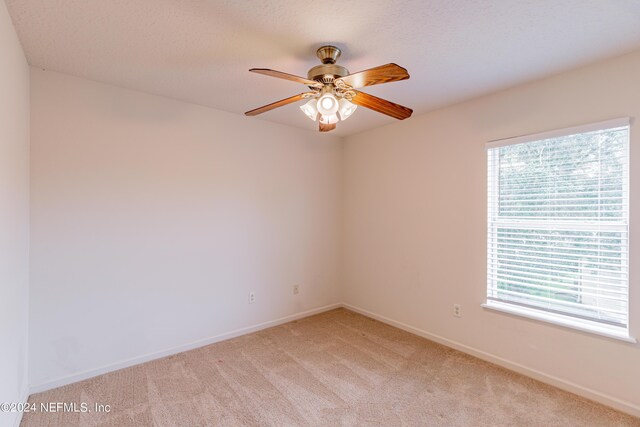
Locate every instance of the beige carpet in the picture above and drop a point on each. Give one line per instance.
(334, 369)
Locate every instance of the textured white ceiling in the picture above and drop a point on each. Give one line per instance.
(200, 51)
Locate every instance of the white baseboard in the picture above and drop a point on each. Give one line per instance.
(619, 404)
(24, 396)
(59, 382)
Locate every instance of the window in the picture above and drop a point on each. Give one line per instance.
(558, 227)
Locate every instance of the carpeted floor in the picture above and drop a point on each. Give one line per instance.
(334, 369)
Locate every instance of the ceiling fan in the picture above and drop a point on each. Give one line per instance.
(333, 96)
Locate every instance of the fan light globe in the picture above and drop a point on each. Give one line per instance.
(346, 109)
(329, 120)
(327, 104)
(310, 109)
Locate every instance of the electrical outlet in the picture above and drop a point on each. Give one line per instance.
(252, 297)
(457, 310)
(296, 289)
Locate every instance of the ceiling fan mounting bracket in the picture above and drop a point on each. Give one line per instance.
(328, 54)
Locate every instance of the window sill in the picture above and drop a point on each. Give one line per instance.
(555, 319)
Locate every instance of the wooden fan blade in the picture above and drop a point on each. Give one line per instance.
(374, 76)
(326, 127)
(277, 104)
(381, 105)
(285, 76)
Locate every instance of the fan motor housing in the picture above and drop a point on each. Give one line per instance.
(319, 72)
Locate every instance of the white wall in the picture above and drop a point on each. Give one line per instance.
(415, 225)
(14, 217)
(152, 219)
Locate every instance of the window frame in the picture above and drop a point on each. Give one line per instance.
(559, 319)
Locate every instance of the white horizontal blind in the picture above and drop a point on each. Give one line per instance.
(558, 224)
